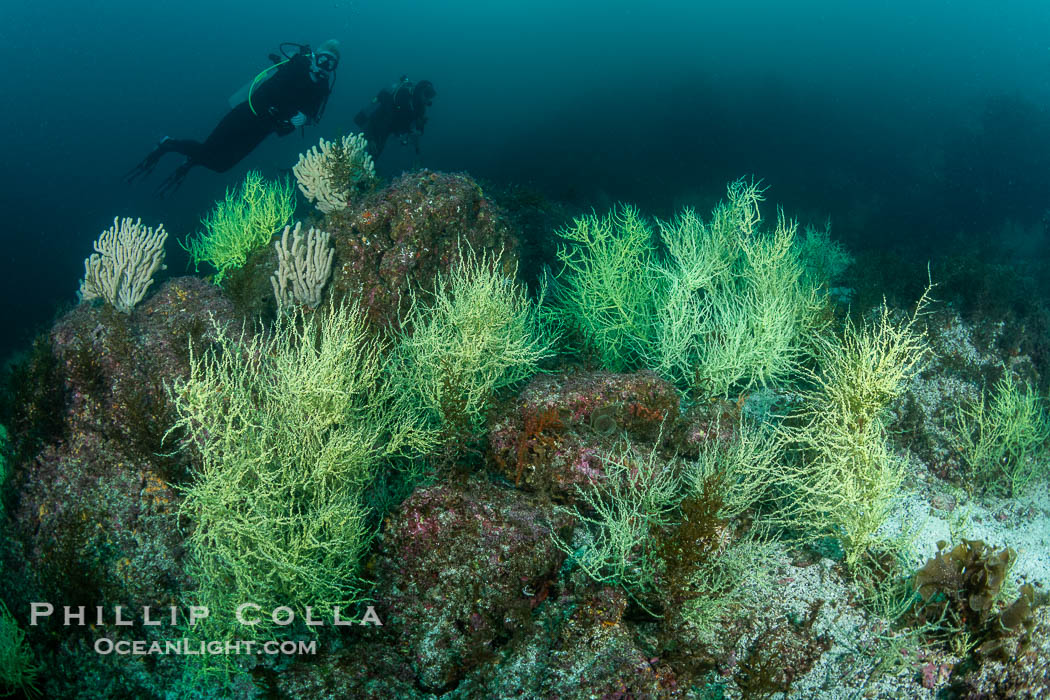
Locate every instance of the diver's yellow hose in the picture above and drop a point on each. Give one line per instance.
(256, 80)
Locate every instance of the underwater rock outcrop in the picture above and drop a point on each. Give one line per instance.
(461, 569)
(550, 438)
(94, 516)
(399, 237)
(390, 241)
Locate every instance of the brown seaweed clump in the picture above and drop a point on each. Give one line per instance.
(959, 589)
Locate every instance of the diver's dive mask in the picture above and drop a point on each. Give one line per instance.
(326, 61)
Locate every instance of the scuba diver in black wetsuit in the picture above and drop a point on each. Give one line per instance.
(285, 96)
(400, 109)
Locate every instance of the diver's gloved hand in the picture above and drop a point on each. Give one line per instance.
(298, 119)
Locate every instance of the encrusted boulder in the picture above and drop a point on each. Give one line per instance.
(460, 569)
(92, 513)
(553, 437)
(398, 238)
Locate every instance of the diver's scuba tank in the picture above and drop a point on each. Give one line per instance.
(246, 91)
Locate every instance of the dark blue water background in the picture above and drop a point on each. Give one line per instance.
(900, 120)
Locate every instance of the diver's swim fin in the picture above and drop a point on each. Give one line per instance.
(174, 181)
(144, 168)
(148, 163)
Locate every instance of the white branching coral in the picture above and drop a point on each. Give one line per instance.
(122, 266)
(330, 171)
(303, 269)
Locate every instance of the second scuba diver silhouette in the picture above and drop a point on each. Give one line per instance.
(399, 110)
(285, 96)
